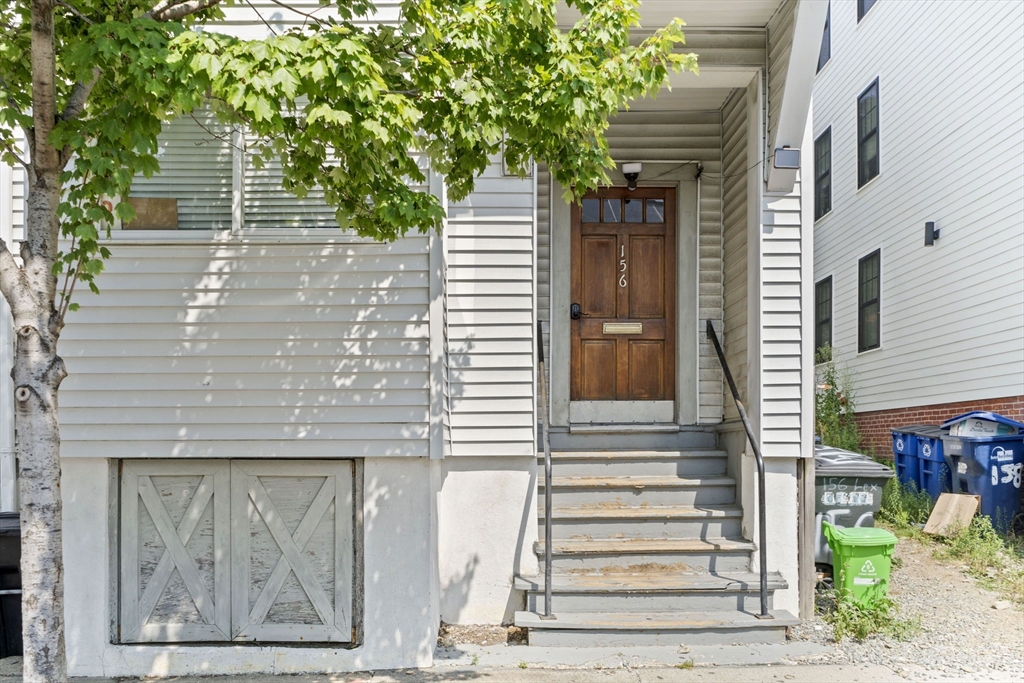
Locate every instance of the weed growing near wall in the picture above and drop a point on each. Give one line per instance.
(834, 402)
(904, 508)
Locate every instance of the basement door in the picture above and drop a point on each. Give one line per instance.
(622, 329)
(240, 550)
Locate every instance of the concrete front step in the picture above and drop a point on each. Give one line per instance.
(637, 490)
(638, 463)
(648, 554)
(650, 592)
(625, 629)
(644, 521)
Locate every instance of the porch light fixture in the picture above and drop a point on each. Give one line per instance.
(930, 233)
(632, 172)
(787, 157)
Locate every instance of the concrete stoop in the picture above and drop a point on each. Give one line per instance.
(647, 548)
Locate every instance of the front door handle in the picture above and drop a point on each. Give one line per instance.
(574, 311)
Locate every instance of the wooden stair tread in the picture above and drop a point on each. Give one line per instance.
(667, 581)
(614, 482)
(649, 621)
(623, 511)
(635, 546)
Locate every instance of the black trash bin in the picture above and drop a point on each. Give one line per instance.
(10, 584)
(847, 493)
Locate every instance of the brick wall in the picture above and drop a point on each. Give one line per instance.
(875, 425)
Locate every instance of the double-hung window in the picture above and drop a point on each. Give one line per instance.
(869, 302)
(823, 174)
(862, 8)
(823, 314)
(826, 40)
(867, 135)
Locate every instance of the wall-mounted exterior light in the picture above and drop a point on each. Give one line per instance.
(931, 233)
(632, 172)
(787, 157)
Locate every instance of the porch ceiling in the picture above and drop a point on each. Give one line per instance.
(698, 13)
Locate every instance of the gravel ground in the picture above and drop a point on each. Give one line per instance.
(962, 634)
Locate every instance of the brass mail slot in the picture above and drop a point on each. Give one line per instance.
(623, 328)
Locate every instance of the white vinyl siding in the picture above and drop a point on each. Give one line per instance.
(490, 317)
(784, 270)
(671, 136)
(953, 313)
(736, 160)
(196, 157)
(251, 350)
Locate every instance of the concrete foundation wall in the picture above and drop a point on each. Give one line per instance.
(400, 601)
(487, 523)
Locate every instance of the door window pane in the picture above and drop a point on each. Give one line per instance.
(655, 210)
(634, 211)
(612, 211)
(591, 210)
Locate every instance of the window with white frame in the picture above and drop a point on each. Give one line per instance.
(863, 7)
(823, 313)
(195, 188)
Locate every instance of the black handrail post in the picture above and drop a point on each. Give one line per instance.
(547, 472)
(763, 532)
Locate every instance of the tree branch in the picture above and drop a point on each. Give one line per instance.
(12, 277)
(13, 151)
(163, 11)
(75, 11)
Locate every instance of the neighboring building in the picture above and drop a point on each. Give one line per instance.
(909, 131)
(276, 434)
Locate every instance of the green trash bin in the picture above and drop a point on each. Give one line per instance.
(862, 559)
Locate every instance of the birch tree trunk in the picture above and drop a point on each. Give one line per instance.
(30, 288)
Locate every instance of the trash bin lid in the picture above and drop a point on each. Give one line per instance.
(863, 535)
(836, 462)
(911, 429)
(931, 431)
(983, 415)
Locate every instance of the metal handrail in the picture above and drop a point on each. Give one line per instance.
(762, 545)
(547, 472)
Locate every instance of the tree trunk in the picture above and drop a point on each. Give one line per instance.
(37, 373)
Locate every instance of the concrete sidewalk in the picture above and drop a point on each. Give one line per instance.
(752, 674)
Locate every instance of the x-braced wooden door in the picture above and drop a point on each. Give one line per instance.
(292, 557)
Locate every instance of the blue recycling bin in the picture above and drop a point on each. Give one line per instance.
(933, 473)
(989, 467)
(904, 450)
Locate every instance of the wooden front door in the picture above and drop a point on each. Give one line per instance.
(623, 296)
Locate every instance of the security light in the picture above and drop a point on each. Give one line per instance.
(930, 233)
(632, 172)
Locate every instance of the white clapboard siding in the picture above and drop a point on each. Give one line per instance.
(291, 551)
(668, 135)
(780, 41)
(735, 161)
(489, 317)
(952, 314)
(691, 136)
(195, 156)
(783, 269)
(175, 567)
(198, 350)
(13, 195)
